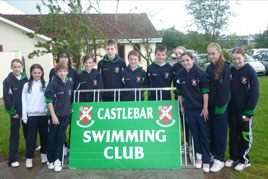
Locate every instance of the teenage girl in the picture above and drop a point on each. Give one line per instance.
(245, 94)
(34, 113)
(218, 73)
(193, 88)
(12, 89)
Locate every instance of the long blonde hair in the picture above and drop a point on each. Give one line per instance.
(220, 63)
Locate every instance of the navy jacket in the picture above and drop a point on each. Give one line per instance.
(72, 74)
(191, 86)
(12, 91)
(219, 88)
(176, 68)
(59, 94)
(245, 90)
(133, 79)
(111, 72)
(159, 76)
(90, 80)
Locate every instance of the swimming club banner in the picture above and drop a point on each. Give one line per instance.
(125, 135)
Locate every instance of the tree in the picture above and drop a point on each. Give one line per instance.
(262, 40)
(70, 29)
(196, 41)
(173, 38)
(210, 16)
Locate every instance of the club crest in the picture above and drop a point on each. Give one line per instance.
(243, 80)
(116, 69)
(194, 82)
(138, 79)
(85, 117)
(166, 75)
(165, 116)
(95, 82)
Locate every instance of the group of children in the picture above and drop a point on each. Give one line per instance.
(203, 98)
(210, 100)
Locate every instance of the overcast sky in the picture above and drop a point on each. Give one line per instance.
(251, 16)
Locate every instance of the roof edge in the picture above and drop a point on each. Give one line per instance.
(152, 40)
(23, 28)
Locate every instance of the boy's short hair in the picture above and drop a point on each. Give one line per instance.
(86, 57)
(133, 52)
(17, 61)
(110, 42)
(61, 66)
(160, 48)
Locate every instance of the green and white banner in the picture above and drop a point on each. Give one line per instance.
(125, 135)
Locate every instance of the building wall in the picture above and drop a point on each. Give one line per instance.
(14, 40)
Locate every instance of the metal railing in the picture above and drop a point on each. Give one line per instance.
(187, 155)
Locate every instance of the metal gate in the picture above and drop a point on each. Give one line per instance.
(187, 153)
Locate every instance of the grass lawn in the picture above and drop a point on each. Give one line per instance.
(258, 153)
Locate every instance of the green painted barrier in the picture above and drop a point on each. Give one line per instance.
(125, 135)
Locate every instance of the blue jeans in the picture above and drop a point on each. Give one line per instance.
(200, 132)
(56, 138)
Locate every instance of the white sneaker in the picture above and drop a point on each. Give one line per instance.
(206, 168)
(229, 163)
(66, 151)
(29, 163)
(198, 162)
(50, 166)
(217, 166)
(241, 167)
(57, 165)
(43, 158)
(15, 164)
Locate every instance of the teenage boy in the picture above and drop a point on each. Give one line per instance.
(133, 77)
(111, 68)
(58, 98)
(160, 74)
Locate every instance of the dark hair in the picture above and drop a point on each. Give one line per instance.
(17, 61)
(133, 52)
(160, 48)
(189, 54)
(86, 57)
(61, 66)
(220, 63)
(110, 42)
(30, 82)
(63, 53)
(239, 50)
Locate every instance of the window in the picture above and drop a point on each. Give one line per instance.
(121, 51)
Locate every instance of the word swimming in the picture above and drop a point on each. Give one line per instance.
(125, 113)
(125, 136)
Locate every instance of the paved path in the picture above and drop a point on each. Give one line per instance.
(40, 171)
